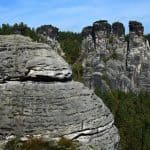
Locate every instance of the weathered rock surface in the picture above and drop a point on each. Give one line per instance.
(56, 109)
(110, 62)
(21, 58)
(49, 34)
(138, 58)
(47, 107)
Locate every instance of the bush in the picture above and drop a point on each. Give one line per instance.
(77, 72)
(71, 44)
(114, 55)
(40, 144)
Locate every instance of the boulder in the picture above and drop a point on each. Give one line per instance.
(34, 100)
(21, 59)
(54, 110)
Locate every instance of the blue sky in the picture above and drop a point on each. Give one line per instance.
(74, 14)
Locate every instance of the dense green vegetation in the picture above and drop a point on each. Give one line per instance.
(132, 117)
(147, 36)
(40, 144)
(71, 44)
(21, 28)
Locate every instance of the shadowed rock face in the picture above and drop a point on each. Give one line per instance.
(118, 29)
(49, 35)
(136, 27)
(87, 31)
(112, 63)
(102, 25)
(33, 103)
(48, 31)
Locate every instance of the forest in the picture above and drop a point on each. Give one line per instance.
(131, 111)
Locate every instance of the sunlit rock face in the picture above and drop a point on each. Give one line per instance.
(21, 58)
(38, 97)
(110, 62)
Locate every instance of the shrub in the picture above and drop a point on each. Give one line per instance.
(71, 44)
(114, 55)
(40, 144)
(20, 28)
(77, 72)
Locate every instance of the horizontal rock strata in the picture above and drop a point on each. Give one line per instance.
(21, 58)
(35, 101)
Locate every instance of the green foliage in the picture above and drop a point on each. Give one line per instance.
(40, 144)
(148, 37)
(67, 144)
(111, 40)
(77, 72)
(71, 44)
(105, 78)
(20, 28)
(127, 37)
(132, 117)
(114, 55)
(105, 59)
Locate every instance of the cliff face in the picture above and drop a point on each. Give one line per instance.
(138, 57)
(38, 97)
(110, 62)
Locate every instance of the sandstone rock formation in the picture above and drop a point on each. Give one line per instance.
(38, 97)
(22, 59)
(111, 62)
(49, 34)
(138, 57)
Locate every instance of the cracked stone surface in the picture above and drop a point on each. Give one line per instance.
(40, 105)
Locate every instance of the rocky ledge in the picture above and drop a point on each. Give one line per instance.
(35, 101)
